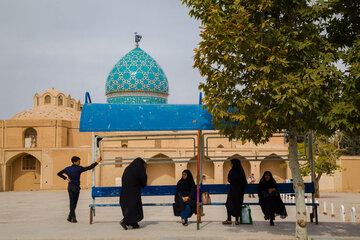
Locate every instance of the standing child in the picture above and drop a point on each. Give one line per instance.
(73, 173)
(251, 180)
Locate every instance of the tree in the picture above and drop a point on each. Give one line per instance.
(342, 23)
(268, 67)
(327, 153)
(351, 143)
(342, 20)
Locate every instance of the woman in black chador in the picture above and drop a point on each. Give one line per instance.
(269, 198)
(235, 197)
(133, 179)
(185, 197)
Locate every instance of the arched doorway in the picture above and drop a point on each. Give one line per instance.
(276, 166)
(160, 173)
(227, 166)
(208, 170)
(24, 173)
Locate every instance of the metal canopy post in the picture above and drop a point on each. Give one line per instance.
(93, 142)
(198, 182)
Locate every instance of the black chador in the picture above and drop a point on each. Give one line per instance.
(185, 188)
(235, 197)
(269, 198)
(133, 179)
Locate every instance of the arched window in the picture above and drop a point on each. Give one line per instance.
(47, 99)
(72, 104)
(60, 100)
(124, 144)
(37, 101)
(30, 138)
(28, 163)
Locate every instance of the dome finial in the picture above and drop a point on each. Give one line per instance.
(137, 39)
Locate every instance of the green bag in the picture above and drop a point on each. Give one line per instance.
(245, 217)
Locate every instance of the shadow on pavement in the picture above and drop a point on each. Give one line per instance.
(334, 229)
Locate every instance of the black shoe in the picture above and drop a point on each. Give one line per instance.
(135, 225)
(184, 222)
(271, 222)
(123, 225)
(69, 219)
(74, 220)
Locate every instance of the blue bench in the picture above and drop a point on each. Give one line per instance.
(285, 188)
(167, 190)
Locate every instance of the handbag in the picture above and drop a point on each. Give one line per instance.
(205, 198)
(245, 217)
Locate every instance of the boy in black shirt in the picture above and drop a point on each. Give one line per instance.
(73, 173)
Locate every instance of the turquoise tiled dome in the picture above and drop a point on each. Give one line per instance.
(137, 79)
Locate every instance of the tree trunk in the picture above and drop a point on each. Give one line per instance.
(317, 188)
(299, 187)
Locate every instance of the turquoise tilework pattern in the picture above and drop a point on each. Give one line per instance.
(137, 71)
(137, 100)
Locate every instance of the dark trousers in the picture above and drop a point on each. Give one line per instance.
(74, 192)
(229, 215)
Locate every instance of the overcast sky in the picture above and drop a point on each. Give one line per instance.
(71, 45)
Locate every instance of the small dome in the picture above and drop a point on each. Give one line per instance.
(52, 104)
(137, 79)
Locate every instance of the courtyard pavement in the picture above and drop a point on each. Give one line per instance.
(42, 215)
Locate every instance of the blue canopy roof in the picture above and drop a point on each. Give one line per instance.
(99, 117)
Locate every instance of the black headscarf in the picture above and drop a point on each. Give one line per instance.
(264, 185)
(237, 174)
(186, 186)
(137, 164)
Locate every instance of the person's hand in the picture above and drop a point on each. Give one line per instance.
(99, 159)
(270, 190)
(68, 180)
(185, 199)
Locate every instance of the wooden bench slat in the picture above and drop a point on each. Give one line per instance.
(167, 190)
(118, 205)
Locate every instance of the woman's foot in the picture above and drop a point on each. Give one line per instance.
(184, 222)
(123, 225)
(237, 223)
(271, 222)
(227, 222)
(135, 225)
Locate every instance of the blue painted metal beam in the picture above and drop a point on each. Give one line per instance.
(97, 117)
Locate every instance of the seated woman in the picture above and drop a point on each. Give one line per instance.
(235, 197)
(185, 197)
(269, 198)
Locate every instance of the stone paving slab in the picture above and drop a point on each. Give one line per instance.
(42, 215)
